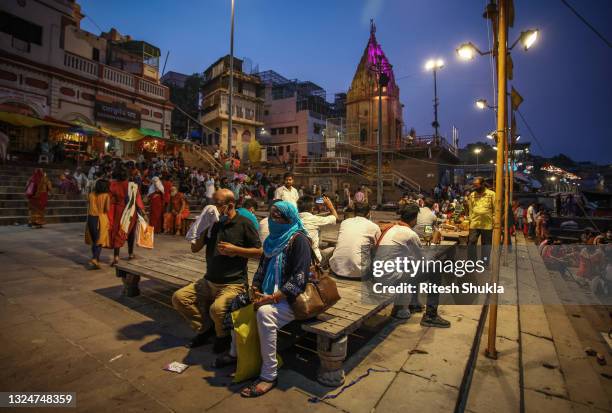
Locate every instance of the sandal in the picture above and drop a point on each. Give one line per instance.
(131, 257)
(251, 391)
(224, 360)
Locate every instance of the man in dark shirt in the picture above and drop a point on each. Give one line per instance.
(232, 241)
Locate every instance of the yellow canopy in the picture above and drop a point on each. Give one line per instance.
(27, 121)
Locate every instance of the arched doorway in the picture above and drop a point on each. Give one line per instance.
(246, 139)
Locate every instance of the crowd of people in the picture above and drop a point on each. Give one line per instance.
(286, 242)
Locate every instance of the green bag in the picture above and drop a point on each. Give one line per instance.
(247, 344)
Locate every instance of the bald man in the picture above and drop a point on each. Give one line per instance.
(231, 242)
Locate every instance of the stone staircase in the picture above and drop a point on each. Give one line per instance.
(14, 205)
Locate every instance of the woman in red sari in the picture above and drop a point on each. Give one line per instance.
(156, 203)
(126, 202)
(167, 183)
(37, 191)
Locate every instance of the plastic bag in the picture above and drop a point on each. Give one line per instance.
(247, 344)
(144, 233)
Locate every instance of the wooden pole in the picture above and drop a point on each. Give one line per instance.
(502, 51)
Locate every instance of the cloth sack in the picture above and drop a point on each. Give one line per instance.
(144, 233)
(168, 222)
(247, 344)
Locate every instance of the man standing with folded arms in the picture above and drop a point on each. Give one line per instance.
(229, 244)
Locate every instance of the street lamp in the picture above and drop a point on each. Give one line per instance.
(477, 152)
(381, 69)
(527, 39)
(482, 104)
(231, 86)
(497, 12)
(434, 65)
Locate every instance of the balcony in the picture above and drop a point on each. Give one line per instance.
(114, 77)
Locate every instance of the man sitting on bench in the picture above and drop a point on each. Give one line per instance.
(232, 241)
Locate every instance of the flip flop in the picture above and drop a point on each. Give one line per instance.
(252, 389)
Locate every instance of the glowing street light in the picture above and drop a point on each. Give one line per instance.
(481, 104)
(492, 135)
(528, 38)
(467, 51)
(433, 64)
(477, 152)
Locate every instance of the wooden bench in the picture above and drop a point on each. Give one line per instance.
(331, 327)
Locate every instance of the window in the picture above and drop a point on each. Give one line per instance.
(281, 131)
(296, 130)
(289, 130)
(317, 128)
(95, 54)
(20, 29)
(280, 150)
(273, 131)
(266, 112)
(288, 148)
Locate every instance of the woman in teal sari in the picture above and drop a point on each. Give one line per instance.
(281, 276)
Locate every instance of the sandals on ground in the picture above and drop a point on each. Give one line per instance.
(251, 391)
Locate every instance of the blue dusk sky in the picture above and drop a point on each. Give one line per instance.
(565, 79)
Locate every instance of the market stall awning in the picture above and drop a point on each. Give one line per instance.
(133, 134)
(28, 121)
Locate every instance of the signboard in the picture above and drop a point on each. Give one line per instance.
(117, 112)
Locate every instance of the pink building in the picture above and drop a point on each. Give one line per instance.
(294, 118)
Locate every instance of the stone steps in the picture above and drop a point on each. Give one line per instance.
(51, 219)
(23, 203)
(79, 210)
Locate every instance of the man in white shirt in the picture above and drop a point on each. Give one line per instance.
(425, 218)
(401, 241)
(314, 223)
(356, 238)
(287, 192)
(81, 180)
(531, 212)
(209, 183)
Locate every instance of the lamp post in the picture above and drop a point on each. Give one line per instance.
(381, 69)
(231, 86)
(434, 65)
(477, 152)
(498, 13)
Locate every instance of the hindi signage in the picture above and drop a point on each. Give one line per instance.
(117, 112)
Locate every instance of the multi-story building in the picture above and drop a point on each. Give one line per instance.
(54, 73)
(174, 78)
(247, 102)
(295, 113)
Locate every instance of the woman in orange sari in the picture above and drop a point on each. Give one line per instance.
(180, 208)
(156, 203)
(126, 202)
(37, 191)
(97, 231)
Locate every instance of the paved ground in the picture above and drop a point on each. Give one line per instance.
(67, 329)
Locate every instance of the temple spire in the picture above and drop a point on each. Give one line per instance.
(372, 27)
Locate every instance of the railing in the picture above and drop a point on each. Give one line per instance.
(348, 166)
(419, 142)
(207, 157)
(111, 75)
(118, 77)
(81, 64)
(152, 88)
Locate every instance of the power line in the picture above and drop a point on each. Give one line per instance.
(530, 130)
(589, 25)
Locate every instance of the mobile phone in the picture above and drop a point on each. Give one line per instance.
(319, 200)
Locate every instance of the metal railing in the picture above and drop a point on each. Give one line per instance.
(342, 165)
